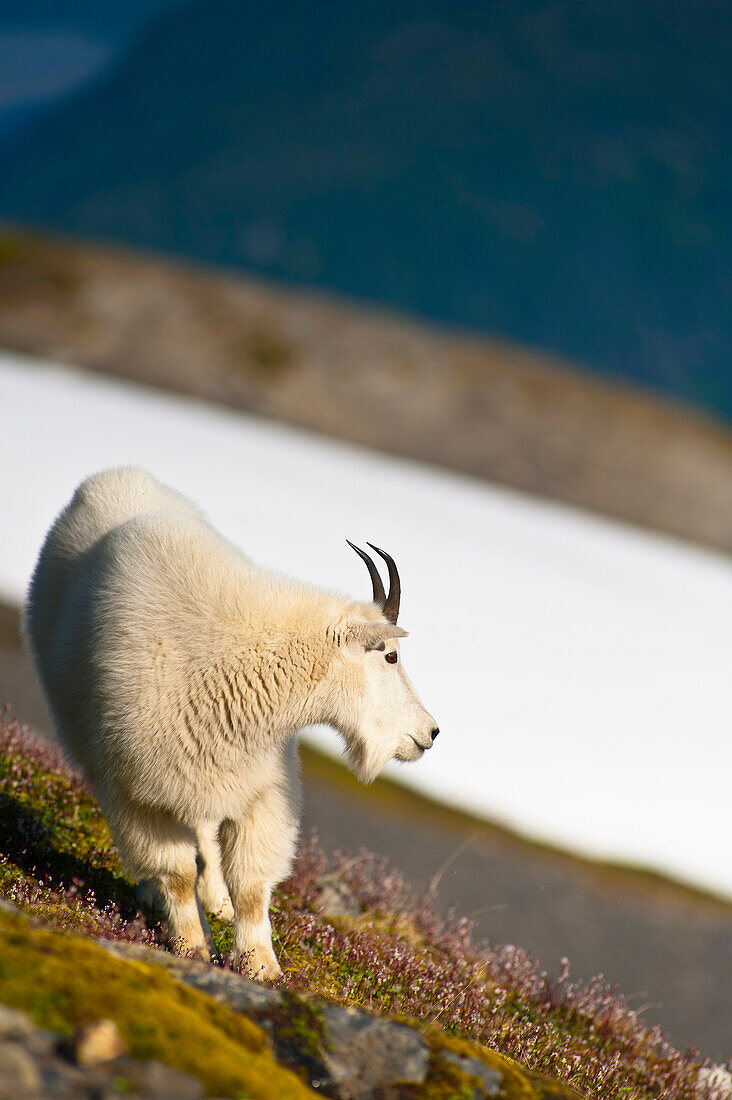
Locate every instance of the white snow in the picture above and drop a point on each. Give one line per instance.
(580, 671)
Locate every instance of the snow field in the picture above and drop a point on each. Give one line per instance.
(579, 670)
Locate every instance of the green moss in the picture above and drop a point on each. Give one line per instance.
(64, 815)
(53, 837)
(300, 1036)
(447, 1081)
(222, 934)
(64, 982)
(300, 1022)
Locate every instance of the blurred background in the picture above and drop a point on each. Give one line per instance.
(493, 238)
(557, 173)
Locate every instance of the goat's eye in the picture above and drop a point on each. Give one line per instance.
(392, 658)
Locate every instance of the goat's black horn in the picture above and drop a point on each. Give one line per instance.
(379, 594)
(391, 603)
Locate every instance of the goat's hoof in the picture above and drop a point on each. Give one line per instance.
(223, 910)
(258, 963)
(190, 950)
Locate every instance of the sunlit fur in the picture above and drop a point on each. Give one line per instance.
(178, 674)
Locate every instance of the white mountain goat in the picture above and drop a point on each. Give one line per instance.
(179, 673)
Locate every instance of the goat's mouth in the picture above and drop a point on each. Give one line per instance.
(409, 751)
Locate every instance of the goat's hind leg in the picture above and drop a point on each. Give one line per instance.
(211, 888)
(162, 852)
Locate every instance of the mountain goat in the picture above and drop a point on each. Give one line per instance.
(178, 674)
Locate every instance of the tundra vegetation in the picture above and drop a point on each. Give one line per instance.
(347, 929)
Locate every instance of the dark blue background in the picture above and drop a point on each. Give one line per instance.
(558, 172)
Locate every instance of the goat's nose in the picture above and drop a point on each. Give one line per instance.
(435, 731)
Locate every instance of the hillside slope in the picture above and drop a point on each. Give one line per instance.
(643, 932)
(347, 932)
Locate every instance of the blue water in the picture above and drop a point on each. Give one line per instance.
(556, 172)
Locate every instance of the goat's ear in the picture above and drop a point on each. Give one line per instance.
(373, 635)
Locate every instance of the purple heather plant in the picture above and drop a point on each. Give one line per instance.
(393, 953)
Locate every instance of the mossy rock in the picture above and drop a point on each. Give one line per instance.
(64, 982)
(452, 1077)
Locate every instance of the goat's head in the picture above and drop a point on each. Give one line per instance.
(379, 713)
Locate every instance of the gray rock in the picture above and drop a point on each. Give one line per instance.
(160, 1082)
(360, 1056)
(19, 1026)
(227, 986)
(232, 989)
(363, 1053)
(490, 1079)
(62, 1079)
(139, 951)
(14, 1024)
(18, 1073)
(40, 1043)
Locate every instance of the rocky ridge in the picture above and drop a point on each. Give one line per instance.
(320, 1047)
(470, 403)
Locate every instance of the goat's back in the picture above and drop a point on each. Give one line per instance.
(99, 505)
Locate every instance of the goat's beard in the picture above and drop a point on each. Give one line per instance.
(366, 760)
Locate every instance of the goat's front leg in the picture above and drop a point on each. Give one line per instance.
(256, 853)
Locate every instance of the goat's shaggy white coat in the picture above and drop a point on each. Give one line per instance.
(178, 674)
